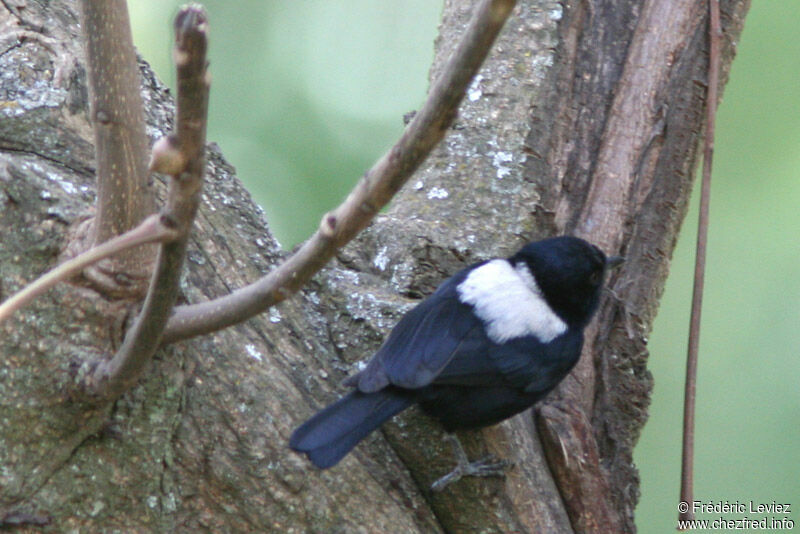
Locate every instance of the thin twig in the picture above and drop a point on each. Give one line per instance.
(113, 378)
(372, 192)
(687, 464)
(154, 229)
(124, 197)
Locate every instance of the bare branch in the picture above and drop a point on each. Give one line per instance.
(154, 229)
(113, 378)
(124, 197)
(687, 457)
(372, 192)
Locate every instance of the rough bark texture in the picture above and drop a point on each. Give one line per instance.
(200, 443)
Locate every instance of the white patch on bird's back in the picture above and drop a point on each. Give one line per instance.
(508, 300)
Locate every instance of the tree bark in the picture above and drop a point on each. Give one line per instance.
(585, 119)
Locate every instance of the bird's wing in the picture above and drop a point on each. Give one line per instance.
(535, 366)
(424, 342)
(524, 363)
(441, 341)
(451, 347)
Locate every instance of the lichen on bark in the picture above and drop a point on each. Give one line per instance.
(200, 443)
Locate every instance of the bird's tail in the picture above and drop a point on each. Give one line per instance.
(328, 436)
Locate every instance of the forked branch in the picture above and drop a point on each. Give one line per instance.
(373, 191)
(183, 155)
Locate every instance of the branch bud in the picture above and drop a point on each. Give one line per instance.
(166, 158)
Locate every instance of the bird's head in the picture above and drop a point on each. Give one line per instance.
(569, 272)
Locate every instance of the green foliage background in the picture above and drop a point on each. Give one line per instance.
(307, 94)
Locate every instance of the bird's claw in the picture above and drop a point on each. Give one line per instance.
(488, 466)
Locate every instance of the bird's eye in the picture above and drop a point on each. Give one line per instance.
(596, 277)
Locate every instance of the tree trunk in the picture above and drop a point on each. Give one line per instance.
(585, 120)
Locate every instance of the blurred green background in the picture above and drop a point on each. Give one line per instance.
(306, 95)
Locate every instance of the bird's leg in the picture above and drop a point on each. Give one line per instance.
(488, 466)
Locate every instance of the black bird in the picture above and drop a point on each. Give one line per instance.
(491, 341)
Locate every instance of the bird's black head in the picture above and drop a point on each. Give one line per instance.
(569, 272)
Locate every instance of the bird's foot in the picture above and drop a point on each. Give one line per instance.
(489, 466)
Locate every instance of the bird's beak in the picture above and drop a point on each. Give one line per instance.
(614, 261)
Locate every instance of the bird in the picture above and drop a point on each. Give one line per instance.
(490, 342)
